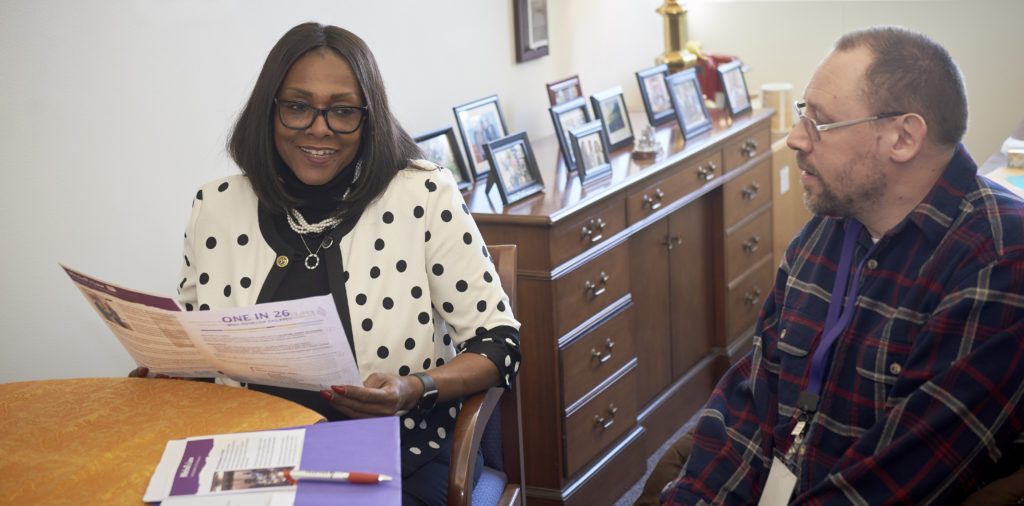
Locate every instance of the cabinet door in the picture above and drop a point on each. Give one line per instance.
(692, 231)
(648, 254)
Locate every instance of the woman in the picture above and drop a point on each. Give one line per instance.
(330, 201)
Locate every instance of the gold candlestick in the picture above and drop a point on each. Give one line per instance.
(676, 55)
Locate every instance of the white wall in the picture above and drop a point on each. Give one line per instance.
(114, 111)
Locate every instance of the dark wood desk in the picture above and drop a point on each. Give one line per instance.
(635, 291)
(98, 440)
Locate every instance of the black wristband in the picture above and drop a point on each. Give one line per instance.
(429, 397)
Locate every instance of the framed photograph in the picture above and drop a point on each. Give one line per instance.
(688, 102)
(480, 122)
(531, 28)
(440, 147)
(591, 148)
(654, 91)
(514, 168)
(566, 116)
(564, 90)
(610, 107)
(737, 99)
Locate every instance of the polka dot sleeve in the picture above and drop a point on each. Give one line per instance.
(464, 284)
(188, 276)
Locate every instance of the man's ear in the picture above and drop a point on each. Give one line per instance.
(910, 132)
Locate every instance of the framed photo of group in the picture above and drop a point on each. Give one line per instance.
(737, 98)
(654, 91)
(566, 116)
(688, 102)
(590, 147)
(513, 168)
(610, 107)
(531, 28)
(480, 122)
(440, 147)
(564, 90)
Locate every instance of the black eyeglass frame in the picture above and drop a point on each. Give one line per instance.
(799, 106)
(363, 111)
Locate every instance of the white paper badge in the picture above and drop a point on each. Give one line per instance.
(779, 487)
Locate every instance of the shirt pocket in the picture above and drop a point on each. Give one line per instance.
(879, 363)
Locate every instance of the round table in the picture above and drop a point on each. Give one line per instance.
(98, 440)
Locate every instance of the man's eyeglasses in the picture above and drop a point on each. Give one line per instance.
(814, 129)
(341, 119)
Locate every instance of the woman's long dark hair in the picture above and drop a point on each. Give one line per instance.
(385, 145)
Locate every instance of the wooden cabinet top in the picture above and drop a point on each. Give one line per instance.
(563, 193)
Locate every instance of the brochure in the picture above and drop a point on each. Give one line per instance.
(294, 344)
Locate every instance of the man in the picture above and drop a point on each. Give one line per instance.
(913, 268)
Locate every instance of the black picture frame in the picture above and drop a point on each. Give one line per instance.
(564, 90)
(590, 145)
(514, 169)
(480, 121)
(688, 102)
(654, 91)
(440, 147)
(566, 116)
(610, 107)
(531, 28)
(734, 87)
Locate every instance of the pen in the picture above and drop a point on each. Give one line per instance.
(294, 475)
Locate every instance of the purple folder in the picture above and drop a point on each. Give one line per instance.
(368, 445)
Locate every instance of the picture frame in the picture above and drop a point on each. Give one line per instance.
(566, 116)
(654, 91)
(564, 90)
(480, 121)
(590, 145)
(440, 147)
(610, 107)
(531, 28)
(514, 168)
(688, 102)
(734, 86)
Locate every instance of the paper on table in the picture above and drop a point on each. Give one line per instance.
(294, 344)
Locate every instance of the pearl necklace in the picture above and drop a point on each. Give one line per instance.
(297, 222)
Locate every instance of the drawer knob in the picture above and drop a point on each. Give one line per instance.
(672, 242)
(706, 173)
(654, 202)
(603, 356)
(599, 287)
(750, 245)
(752, 297)
(605, 422)
(749, 148)
(750, 192)
(593, 230)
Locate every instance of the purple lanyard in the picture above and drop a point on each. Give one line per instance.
(836, 322)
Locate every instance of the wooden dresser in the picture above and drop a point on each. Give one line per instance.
(635, 292)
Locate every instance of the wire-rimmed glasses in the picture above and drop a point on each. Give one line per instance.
(814, 129)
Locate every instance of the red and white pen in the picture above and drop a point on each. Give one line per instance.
(295, 475)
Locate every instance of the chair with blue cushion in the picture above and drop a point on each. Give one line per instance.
(489, 426)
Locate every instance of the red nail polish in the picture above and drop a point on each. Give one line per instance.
(327, 395)
(143, 372)
(340, 390)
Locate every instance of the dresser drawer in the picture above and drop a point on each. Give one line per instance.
(592, 358)
(745, 147)
(575, 238)
(744, 297)
(697, 172)
(748, 244)
(747, 192)
(587, 290)
(591, 427)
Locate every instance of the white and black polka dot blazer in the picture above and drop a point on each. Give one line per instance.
(419, 284)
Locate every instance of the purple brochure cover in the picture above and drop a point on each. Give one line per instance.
(186, 477)
(368, 445)
(121, 292)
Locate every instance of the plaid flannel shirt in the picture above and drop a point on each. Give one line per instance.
(923, 390)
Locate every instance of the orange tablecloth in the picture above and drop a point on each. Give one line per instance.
(98, 440)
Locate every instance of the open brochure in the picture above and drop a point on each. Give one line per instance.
(294, 344)
(250, 468)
